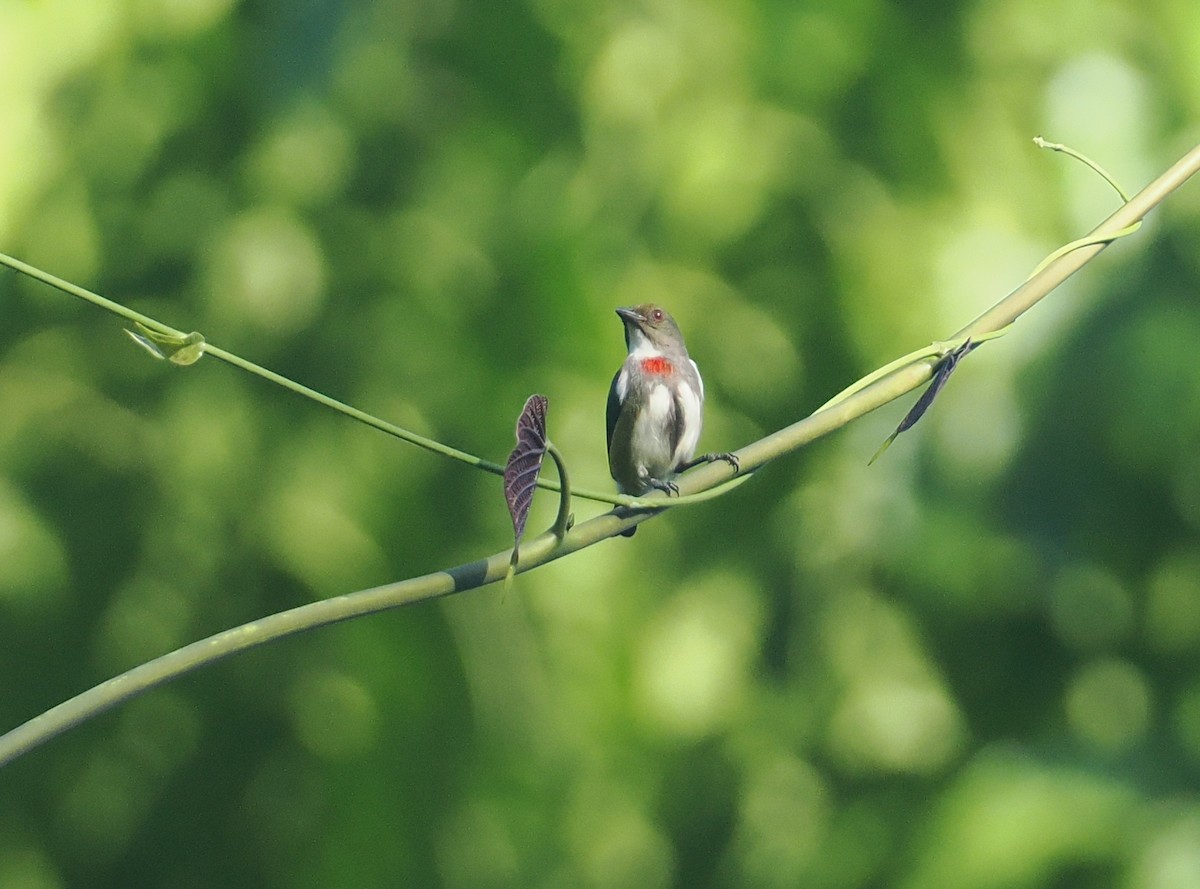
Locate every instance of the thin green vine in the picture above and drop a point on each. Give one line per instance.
(907, 375)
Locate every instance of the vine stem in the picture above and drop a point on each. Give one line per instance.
(548, 546)
(271, 376)
(562, 522)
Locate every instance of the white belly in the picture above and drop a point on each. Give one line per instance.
(651, 446)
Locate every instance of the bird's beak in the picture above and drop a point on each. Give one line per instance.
(629, 314)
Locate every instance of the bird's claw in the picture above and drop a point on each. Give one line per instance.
(667, 487)
(728, 457)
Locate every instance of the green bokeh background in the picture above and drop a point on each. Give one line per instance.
(973, 664)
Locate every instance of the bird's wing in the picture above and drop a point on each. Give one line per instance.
(687, 418)
(614, 405)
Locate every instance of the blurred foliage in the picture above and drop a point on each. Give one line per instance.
(974, 664)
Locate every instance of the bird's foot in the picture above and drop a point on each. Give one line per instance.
(667, 487)
(725, 456)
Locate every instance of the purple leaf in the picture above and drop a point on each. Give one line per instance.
(940, 377)
(525, 463)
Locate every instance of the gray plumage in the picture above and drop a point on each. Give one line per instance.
(655, 403)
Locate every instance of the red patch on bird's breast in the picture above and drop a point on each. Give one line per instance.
(657, 365)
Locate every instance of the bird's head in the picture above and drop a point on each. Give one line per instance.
(652, 326)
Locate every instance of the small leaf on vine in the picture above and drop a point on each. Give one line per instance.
(183, 350)
(945, 367)
(525, 465)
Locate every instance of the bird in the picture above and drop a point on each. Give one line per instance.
(655, 406)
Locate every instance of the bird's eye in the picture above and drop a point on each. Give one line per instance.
(657, 314)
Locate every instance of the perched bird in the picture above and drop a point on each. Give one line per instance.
(655, 406)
